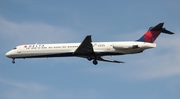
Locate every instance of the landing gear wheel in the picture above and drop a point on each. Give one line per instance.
(13, 61)
(95, 62)
(89, 58)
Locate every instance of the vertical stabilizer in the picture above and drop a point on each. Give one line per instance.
(153, 32)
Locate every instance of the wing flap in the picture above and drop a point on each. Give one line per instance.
(108, 60)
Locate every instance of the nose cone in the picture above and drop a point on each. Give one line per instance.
(8, 54)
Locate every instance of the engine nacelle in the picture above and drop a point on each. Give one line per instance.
(121, 46)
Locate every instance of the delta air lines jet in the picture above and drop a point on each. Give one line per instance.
(87, 49)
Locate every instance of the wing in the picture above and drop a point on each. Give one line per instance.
(108, 60)
(85, 48)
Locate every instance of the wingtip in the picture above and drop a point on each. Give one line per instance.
(119, 62)
(161, 23)
(89, 35)
(122, 62)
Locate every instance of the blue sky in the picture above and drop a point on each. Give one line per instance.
(153, 74)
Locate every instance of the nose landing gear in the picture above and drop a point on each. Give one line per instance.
(13, 61)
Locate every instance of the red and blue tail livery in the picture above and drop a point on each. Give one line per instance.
(153, 32)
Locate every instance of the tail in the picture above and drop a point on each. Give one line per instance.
(153, 32)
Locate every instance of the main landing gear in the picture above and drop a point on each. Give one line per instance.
(94, 61)
(13, 61)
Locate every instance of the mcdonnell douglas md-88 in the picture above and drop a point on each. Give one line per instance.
(87, 49)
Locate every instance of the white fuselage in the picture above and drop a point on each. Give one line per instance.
(67, 49)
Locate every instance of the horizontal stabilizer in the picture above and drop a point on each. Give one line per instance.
(166, 31)
(159, 28)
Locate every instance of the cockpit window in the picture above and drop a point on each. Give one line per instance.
(15, 48)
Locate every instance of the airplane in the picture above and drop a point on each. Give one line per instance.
(94, 51)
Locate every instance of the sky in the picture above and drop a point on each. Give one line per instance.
(153, 74)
